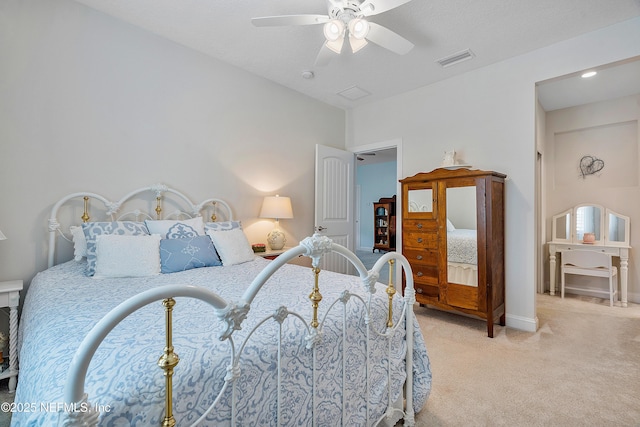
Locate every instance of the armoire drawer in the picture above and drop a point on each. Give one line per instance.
(421, 256)
(424, 273)
(420, 225)
(429, 291)
(419, 240)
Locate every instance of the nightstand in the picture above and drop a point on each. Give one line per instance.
(10, 297)
(271, 253)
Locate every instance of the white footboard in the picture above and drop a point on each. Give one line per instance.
(78, 410)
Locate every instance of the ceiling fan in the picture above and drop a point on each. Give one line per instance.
(360, 158)
(346, 19)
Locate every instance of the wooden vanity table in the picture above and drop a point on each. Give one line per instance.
(611, 232)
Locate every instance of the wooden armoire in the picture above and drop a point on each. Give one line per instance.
(444, 214)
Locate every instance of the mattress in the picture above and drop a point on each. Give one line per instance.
(62, 305)
(462, 246)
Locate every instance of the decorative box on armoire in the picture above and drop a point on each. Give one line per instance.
(384, 224)
(453, 237)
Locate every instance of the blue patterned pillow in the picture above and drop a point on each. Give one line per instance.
(174, 229)
(222, 225)
(93, 229)
(185, 254)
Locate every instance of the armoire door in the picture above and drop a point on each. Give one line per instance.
(420, 238)
(461, 231)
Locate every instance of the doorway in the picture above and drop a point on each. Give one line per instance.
(572, 103)
(378, 171)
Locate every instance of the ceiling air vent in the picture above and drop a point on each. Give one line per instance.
(457, 57)
(354, 93)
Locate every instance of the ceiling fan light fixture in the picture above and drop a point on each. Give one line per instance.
(359, 28)
(335, 45)
(334, 30)
(356, 43)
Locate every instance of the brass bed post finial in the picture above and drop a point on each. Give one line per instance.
(391, 291)
(315, 297)
(85, 216)
(213, 215)
(167, 362)
(158, 207)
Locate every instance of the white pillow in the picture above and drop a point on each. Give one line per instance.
(127, 256)
(450, 226)
(174, 229)
(232, 246)
(79, 242)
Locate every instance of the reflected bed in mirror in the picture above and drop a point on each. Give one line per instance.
(462, 236)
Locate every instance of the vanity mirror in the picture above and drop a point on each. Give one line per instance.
(617, 229)
(608, 227)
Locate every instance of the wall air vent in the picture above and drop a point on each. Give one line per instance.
(456, 58)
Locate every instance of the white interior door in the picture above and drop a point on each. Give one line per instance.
(334, 202)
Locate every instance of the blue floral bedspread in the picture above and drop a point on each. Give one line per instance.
(62, 305)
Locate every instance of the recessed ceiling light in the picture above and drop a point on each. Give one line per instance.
(589, 74)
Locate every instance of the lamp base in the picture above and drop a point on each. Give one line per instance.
(276, 239)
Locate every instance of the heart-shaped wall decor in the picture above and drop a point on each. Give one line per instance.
(590, 165)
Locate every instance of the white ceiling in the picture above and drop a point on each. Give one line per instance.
(493, 29)
(612, 81)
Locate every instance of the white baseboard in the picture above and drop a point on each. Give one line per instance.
(522, 323)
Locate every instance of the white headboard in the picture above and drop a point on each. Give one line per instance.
(144, 203)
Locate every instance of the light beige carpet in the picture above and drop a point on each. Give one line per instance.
(581, 368)
(5, 396)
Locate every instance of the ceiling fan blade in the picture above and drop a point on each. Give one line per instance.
(388, 39)
(374, 7)
(277, 21)
(324, 56)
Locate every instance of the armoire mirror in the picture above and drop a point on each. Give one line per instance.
(420, 200)
(609, 228)
(462, 236)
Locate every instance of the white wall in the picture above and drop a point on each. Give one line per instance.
(88, 103)
(488, 116)
(609, 130)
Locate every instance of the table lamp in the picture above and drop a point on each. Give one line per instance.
(279, 208)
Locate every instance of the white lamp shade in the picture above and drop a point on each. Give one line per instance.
(358, 28)
(334, 30)
(2, 236)
(276, 207)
